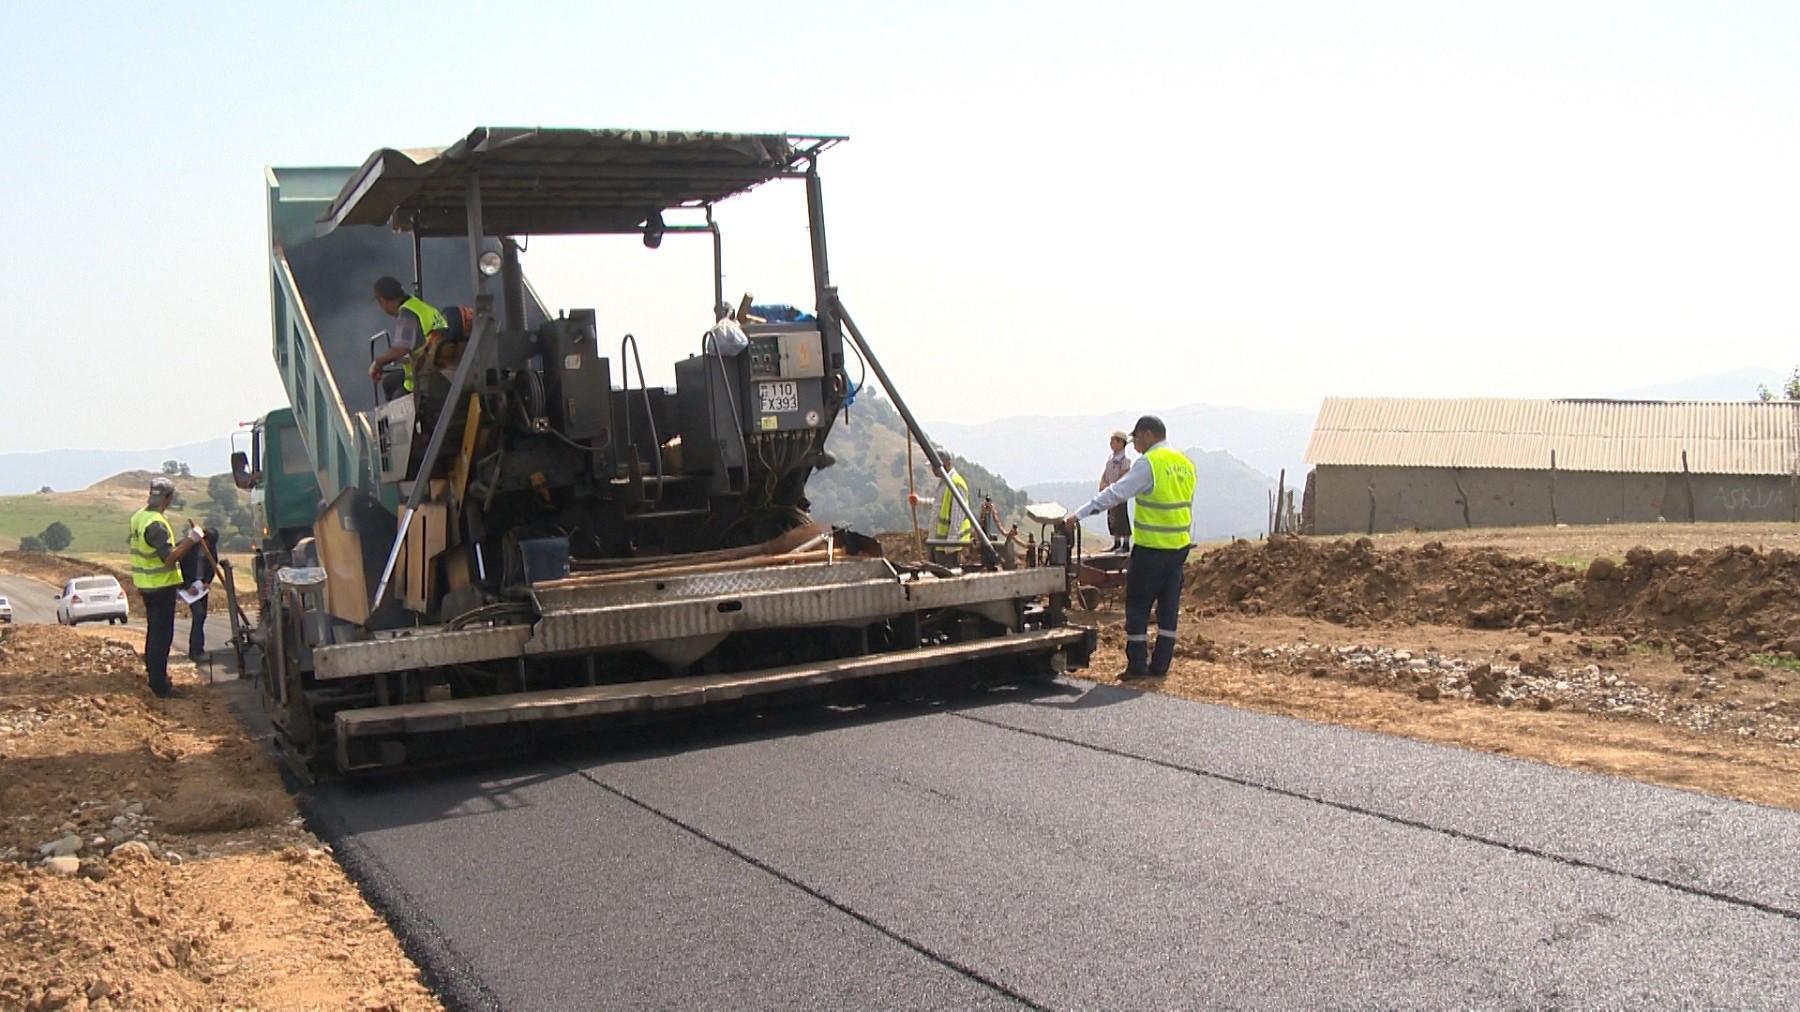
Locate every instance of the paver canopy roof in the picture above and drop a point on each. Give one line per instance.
(560, 181)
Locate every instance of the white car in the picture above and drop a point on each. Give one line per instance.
(92, 599)
(5, 611)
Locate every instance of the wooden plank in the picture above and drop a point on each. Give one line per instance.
(674, 693)
(775, 546)
(425, 541)
(465, 457)
(340, 552)
(761, 562)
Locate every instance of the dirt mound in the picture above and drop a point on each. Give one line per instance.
(1709, 598)
(149, 857)
(1353, 583)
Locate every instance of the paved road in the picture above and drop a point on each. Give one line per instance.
(35, 601)
(1093, 848)
(31, 599)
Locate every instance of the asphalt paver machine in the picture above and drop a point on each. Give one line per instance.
(534, 540)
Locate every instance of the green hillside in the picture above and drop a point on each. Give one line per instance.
(866, 488)
(99, 515)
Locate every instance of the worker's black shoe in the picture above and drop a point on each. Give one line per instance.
(1133, 675)
(1163, 655)
(171, 693)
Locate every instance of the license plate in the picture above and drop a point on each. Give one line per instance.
(778, 397)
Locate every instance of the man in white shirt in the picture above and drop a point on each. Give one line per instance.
(1118, 519)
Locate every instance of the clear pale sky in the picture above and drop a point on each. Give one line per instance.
(1044, 207)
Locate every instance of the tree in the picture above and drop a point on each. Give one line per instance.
(57, 536)
(1790, 390)
(223, 492)
(179, 502)
(214, 521)
(235, 543)
(171, 467)
(45, 490)
(185, 470)
(243, 519)
(31, 543)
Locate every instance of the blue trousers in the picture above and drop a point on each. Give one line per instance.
(159, 636)
(1153, 579)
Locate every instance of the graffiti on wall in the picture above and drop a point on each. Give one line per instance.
(1748, 498)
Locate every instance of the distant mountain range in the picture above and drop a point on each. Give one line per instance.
(1231, 498)
(70, 470)
(866, 488)
(1736, 385)
(1036, 450)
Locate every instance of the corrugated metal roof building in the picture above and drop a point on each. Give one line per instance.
(1396, 463)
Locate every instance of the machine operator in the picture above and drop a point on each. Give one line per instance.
(417, 327)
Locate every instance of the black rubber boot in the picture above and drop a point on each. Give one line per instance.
(1135, 651)
(1163, 656)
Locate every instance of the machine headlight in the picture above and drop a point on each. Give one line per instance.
(489, 263)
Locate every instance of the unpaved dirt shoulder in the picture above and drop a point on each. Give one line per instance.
(150, 857)
(1602, 705)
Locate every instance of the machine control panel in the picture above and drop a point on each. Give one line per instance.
(786, 369)
(785, 350)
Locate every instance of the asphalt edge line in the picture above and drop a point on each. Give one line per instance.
(448, 973)
(954, 966)
(1344, 806)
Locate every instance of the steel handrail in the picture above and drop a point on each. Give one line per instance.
(630, 341)
(737, 417)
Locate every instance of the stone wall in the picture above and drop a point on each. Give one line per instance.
(1362, 499)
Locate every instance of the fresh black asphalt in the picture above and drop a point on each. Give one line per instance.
(1084, 848)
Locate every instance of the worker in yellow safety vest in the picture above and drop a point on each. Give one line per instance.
(156, 556)
(950, 525)
(1162, 482)
(417, 326)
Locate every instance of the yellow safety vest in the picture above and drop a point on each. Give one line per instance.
(946, 505)
(148, 570)
(1164, 516)
(429, 320)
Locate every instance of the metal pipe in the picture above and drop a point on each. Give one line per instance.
(512, 285)
(718, 259)
(737, 417)
(630, 342)
(988, 554)
(418, 251)
(815, 222)
(472, 204)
